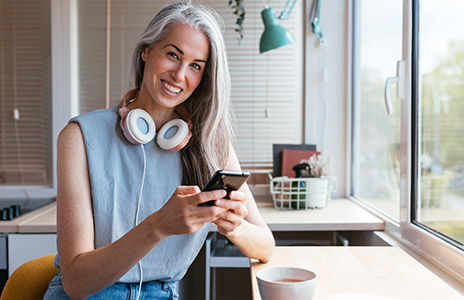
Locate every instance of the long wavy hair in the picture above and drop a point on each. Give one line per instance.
(209, 104)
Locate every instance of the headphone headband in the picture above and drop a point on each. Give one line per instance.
(131, 130)
(180, 109)
(123, 109)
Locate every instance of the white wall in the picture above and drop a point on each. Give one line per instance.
(332, 56)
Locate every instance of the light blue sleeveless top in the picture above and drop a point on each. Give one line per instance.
(116, 170)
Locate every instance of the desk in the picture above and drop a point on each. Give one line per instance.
(41, 220)
(380, 271)
(338, 215)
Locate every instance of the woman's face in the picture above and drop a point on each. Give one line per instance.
(175, 65)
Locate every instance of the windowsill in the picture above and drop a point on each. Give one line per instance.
(361, 272)
(437, 270)
(392, 236)
(335, 216)
(338, 215)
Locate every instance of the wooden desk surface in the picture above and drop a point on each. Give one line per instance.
(42, 220)
(337, 215)
(377, 271)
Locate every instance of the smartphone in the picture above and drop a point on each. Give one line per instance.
(225, 180)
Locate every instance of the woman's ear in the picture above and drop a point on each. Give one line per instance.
(144, 53)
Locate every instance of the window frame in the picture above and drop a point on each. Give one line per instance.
(432, 246)
(407, 232)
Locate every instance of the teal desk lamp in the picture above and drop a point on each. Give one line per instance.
(274, 35)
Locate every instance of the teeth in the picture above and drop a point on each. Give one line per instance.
(171, 88)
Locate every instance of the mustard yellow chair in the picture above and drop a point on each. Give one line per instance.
(30, 281)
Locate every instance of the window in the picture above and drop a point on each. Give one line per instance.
(408, 166)
(266, 111)
(25, 93)
(376, 146)
(439, 104)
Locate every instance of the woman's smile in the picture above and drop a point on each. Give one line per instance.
(170, 88)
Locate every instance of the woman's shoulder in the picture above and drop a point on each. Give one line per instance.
(93, 127)
(70, 135)
(99, 115)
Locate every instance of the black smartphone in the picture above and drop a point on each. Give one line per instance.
(225, 180)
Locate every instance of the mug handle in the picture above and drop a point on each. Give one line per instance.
(332, 184)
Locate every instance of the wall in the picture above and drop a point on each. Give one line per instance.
(326, 92)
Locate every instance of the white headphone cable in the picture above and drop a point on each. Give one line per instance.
(137, 214)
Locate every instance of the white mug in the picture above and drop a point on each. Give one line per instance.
(319, 190)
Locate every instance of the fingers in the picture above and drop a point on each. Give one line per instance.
(199, 197)
(228, 222)
(236, 204)
(196, 218)
(209, 213)
(235, 212)
(187, 189)
(210, 195)
(236, 207)
(237, 196)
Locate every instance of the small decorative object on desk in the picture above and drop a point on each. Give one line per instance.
(310, 189)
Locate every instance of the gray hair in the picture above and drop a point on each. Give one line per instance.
(209, 104)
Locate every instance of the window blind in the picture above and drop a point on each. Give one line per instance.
(266, 88)
(25, 85)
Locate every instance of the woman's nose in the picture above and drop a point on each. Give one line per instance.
(178, 74)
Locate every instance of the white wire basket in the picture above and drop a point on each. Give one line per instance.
(301, 193)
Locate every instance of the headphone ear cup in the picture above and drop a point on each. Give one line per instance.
(139, 127)
(174, 135)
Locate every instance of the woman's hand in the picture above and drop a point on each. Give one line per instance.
(234, 212)
(181, 214)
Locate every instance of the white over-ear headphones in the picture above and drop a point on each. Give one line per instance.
(139, 128)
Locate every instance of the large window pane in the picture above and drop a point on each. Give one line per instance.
(376, 136)
(440, 204)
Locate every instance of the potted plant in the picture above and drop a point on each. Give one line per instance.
(238, 10)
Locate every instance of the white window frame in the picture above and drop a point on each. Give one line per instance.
(441, 254)
(447, 256)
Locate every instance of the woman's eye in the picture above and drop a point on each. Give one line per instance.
(173, 55)
(196, 66)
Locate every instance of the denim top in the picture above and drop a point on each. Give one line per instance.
(116, 170)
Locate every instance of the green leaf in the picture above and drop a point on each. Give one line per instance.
(238, 9)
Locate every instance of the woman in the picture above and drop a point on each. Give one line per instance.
(129, 213)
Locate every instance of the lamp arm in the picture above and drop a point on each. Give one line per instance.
(285, 14)
(315, 17)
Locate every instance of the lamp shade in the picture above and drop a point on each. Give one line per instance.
(274, 35)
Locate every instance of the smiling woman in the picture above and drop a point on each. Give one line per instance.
(266, 110)
(128, 213)
(173, 68)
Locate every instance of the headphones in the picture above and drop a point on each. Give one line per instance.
(139, 128)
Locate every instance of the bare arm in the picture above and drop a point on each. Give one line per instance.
(86, 270)
(244, 226)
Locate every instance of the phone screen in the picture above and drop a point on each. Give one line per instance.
(225, 180)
